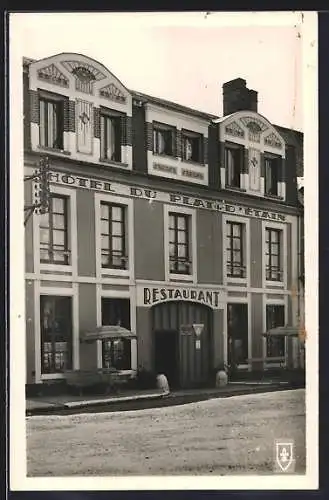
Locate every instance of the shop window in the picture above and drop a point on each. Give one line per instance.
(114, 236)
(56, 334)
(192, 146)
(163, 139)
(54, 240)
(235, 264)
(237, 333)
(179, 243)
(273, 254)
(272, 166)
(116, 353)
(111, 137)
(275, 346)
(234, 156)
(51, 123)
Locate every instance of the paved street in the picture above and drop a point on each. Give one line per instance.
(220, 436)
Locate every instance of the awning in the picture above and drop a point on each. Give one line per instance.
(283, 331)
(108, 332)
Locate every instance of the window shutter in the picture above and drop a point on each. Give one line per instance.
(123, 131)
(149, 136)
(204, 150)
(97, 123)
(178, 143)
(262, 165)
(128, 130)
(34, 106)
(245, 161)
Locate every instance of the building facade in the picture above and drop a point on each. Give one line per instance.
(178, 225)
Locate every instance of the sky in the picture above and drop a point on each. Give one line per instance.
(182, 57)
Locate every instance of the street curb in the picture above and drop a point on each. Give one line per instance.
(169, 399)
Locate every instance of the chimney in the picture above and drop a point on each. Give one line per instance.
(236, 97)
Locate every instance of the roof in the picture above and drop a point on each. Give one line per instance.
(291, 137)
(172, 105)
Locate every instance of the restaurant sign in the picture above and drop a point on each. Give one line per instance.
(124, 190)
(150, 296)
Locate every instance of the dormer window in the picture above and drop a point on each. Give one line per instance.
(233, 165)
(272, 166)
(51, 123)
(192, 149)
(163, 139)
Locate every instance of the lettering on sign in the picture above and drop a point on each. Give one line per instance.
(161, 196)
(152, 295)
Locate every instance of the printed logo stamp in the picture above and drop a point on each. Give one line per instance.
(284, 460)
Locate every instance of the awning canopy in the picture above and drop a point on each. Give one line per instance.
(108, 332)
(283, 331)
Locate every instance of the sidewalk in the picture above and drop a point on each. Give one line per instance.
(129, 400)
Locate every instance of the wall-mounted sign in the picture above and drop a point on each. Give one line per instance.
(198, 345)
(149, 296)
(198, 329)
(162, 196)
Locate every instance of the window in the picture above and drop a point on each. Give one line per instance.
(192, 147)
(275, 346)
(51, 120)
(116, 353)
(233, 165)
(237, 333)
(235, 250)
(273, 238)
(111, 138)
(179, 243)
(163, 140)
(56, 334)
(54, 232)
(113, 236)
(272, 166)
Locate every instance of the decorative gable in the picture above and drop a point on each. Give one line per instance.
(112, 93)
(51, 74)
(234, 129)
(85, 75)
(255, 127)
(273, 141)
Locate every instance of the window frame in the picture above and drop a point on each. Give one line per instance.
(269, 272)
(66, 250)
(193, 136)
(177, 259)
(270, 157)
(115, 116)
(70, 338)
(230, 251)
(58, 100)
(108, 345)
(238, 149)
(267, 327)
(157, 128)
(169, 276)
(123, 235)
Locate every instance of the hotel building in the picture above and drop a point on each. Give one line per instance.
(181, 226)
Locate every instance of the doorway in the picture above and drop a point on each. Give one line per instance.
(166, 355)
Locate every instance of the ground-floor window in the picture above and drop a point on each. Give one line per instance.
(275, 346)
(56, 333)
(116, 353)
(237, 333)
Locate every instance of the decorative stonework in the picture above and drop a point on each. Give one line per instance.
(112, 93)
(85, 75)
(273, 141)
(254, 169)
(84, 129)
(51, 74)
(234, 129)
(255, 127)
